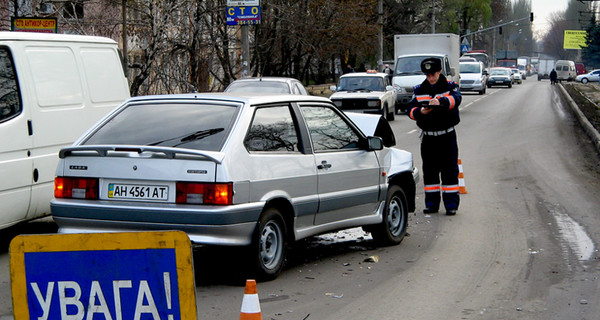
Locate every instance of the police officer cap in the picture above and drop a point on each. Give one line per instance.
(431, 65)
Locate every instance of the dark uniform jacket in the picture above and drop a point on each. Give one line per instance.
(442, 117)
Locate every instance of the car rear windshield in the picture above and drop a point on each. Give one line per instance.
(259, 87)
(179, 125)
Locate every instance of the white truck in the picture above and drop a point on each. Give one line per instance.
(53, 87)
(411, 49)
(544, 68)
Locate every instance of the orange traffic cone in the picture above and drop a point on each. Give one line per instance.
(461, 179)
(250, 303)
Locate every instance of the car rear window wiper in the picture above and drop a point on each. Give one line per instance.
(190, 137)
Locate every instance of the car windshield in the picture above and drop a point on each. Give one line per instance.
(470, 68)
(409, 65)
(361, 83)
(192, 126)
(261, 86)
(499, 72)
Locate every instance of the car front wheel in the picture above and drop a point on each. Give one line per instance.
(269, 245)
(392, 229)
(584, 80)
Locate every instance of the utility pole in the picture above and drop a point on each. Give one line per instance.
(380, 34)
(245, 51)
(432, 16)
(124, 9)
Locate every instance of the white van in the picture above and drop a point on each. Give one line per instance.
(52, 89)
(565, 70)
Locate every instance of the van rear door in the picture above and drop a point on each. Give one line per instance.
(16, 163)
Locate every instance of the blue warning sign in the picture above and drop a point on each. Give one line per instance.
(136, 277)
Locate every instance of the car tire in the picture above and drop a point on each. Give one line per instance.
(510, 85)
(390, 115)
(482, 91)
(584, 80)
(392, 229)
(269, 246)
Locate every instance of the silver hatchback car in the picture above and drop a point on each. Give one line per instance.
(254, 171)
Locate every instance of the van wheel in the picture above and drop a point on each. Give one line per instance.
(269, 246)
(392, 229)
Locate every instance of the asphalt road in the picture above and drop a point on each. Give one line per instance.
(522, 246)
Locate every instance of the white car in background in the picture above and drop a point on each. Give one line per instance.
(473, 77)
(593, 76)
(517, 75)
(365, 92)
(267, 85)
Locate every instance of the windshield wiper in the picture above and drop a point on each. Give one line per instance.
(190, 137)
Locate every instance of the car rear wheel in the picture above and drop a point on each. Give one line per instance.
(392, 229)
(269, 246)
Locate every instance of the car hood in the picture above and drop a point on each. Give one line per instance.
(470, 76)
(408, 81)
(357, 95)
(374, 125)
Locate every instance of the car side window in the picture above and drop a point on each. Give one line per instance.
(272, 129)
(328, 130)
(10, 103)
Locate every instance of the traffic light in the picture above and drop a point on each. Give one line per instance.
(531, 16)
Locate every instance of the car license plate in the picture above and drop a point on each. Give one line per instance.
(137, 192)
(499, 81)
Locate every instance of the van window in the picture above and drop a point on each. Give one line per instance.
(103, 74)
(10, 103)
(57, 81)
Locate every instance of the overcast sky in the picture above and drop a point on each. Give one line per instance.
(542, 10)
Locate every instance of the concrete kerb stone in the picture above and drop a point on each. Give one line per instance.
(585, 123)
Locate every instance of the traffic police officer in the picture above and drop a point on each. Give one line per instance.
(435, 108)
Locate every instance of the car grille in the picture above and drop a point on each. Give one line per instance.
(467, 81)
(350, 104)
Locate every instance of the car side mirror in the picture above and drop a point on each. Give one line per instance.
(374, 143)
(333, 88)
(452, 71)
(389, 88)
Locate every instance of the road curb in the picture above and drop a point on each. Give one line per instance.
(585, 123)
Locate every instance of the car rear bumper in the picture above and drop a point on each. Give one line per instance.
(230, 225)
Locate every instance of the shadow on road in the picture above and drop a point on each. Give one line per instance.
(39, 226)
(226, 266)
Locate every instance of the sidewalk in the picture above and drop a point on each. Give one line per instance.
(584, 100)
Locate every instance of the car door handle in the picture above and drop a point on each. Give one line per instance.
(324, 165)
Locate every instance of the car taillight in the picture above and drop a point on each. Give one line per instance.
(204, 193)
(77, 188)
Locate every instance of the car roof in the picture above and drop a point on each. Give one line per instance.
(364, 74)
(244, 98)
(277, 79)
